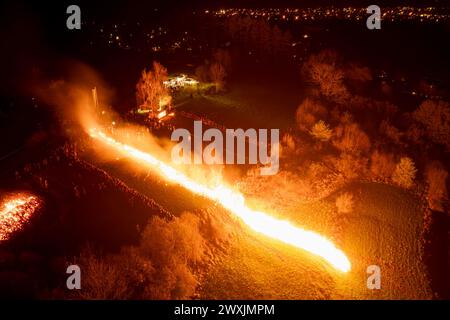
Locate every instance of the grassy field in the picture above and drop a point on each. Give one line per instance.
(247, 105)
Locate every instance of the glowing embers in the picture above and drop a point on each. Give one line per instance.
(235, 202)
(15, 212)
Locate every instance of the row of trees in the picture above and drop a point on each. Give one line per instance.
(368, 152)
(355, 148)
(259, 36)
(332, 77)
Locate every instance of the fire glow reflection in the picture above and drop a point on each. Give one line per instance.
(235, 202)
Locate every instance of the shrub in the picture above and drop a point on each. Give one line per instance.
(174, 281)
(321, 131)
(345, 203)
(177, 240)
(102, 278)
(161, 267)
(405, 173)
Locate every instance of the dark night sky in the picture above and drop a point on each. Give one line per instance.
(30, 28)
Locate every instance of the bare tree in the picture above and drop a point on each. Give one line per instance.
(436, 177)
(223, 57)
(435, 117)
(322, 70)
(350, 166)
(351, 138)
(151, 93)
(217, 74)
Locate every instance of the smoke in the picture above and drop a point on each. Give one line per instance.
(70, 95)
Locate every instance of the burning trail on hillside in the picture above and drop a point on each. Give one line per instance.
(234, 202)
(15, 211)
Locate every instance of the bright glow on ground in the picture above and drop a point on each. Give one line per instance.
(15, 212)
(235, 202)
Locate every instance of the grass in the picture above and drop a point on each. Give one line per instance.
(246, 105)
(384, 230)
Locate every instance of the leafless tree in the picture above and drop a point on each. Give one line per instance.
(351, 138)
(223, 57)
(150, 89)
(217, 74)
(436, 177)
(435, 117)
(322, 70)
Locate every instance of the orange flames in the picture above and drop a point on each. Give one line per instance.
(235, 202)
(15, 212)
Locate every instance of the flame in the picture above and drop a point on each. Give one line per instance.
(15, 212)
(235, 202)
